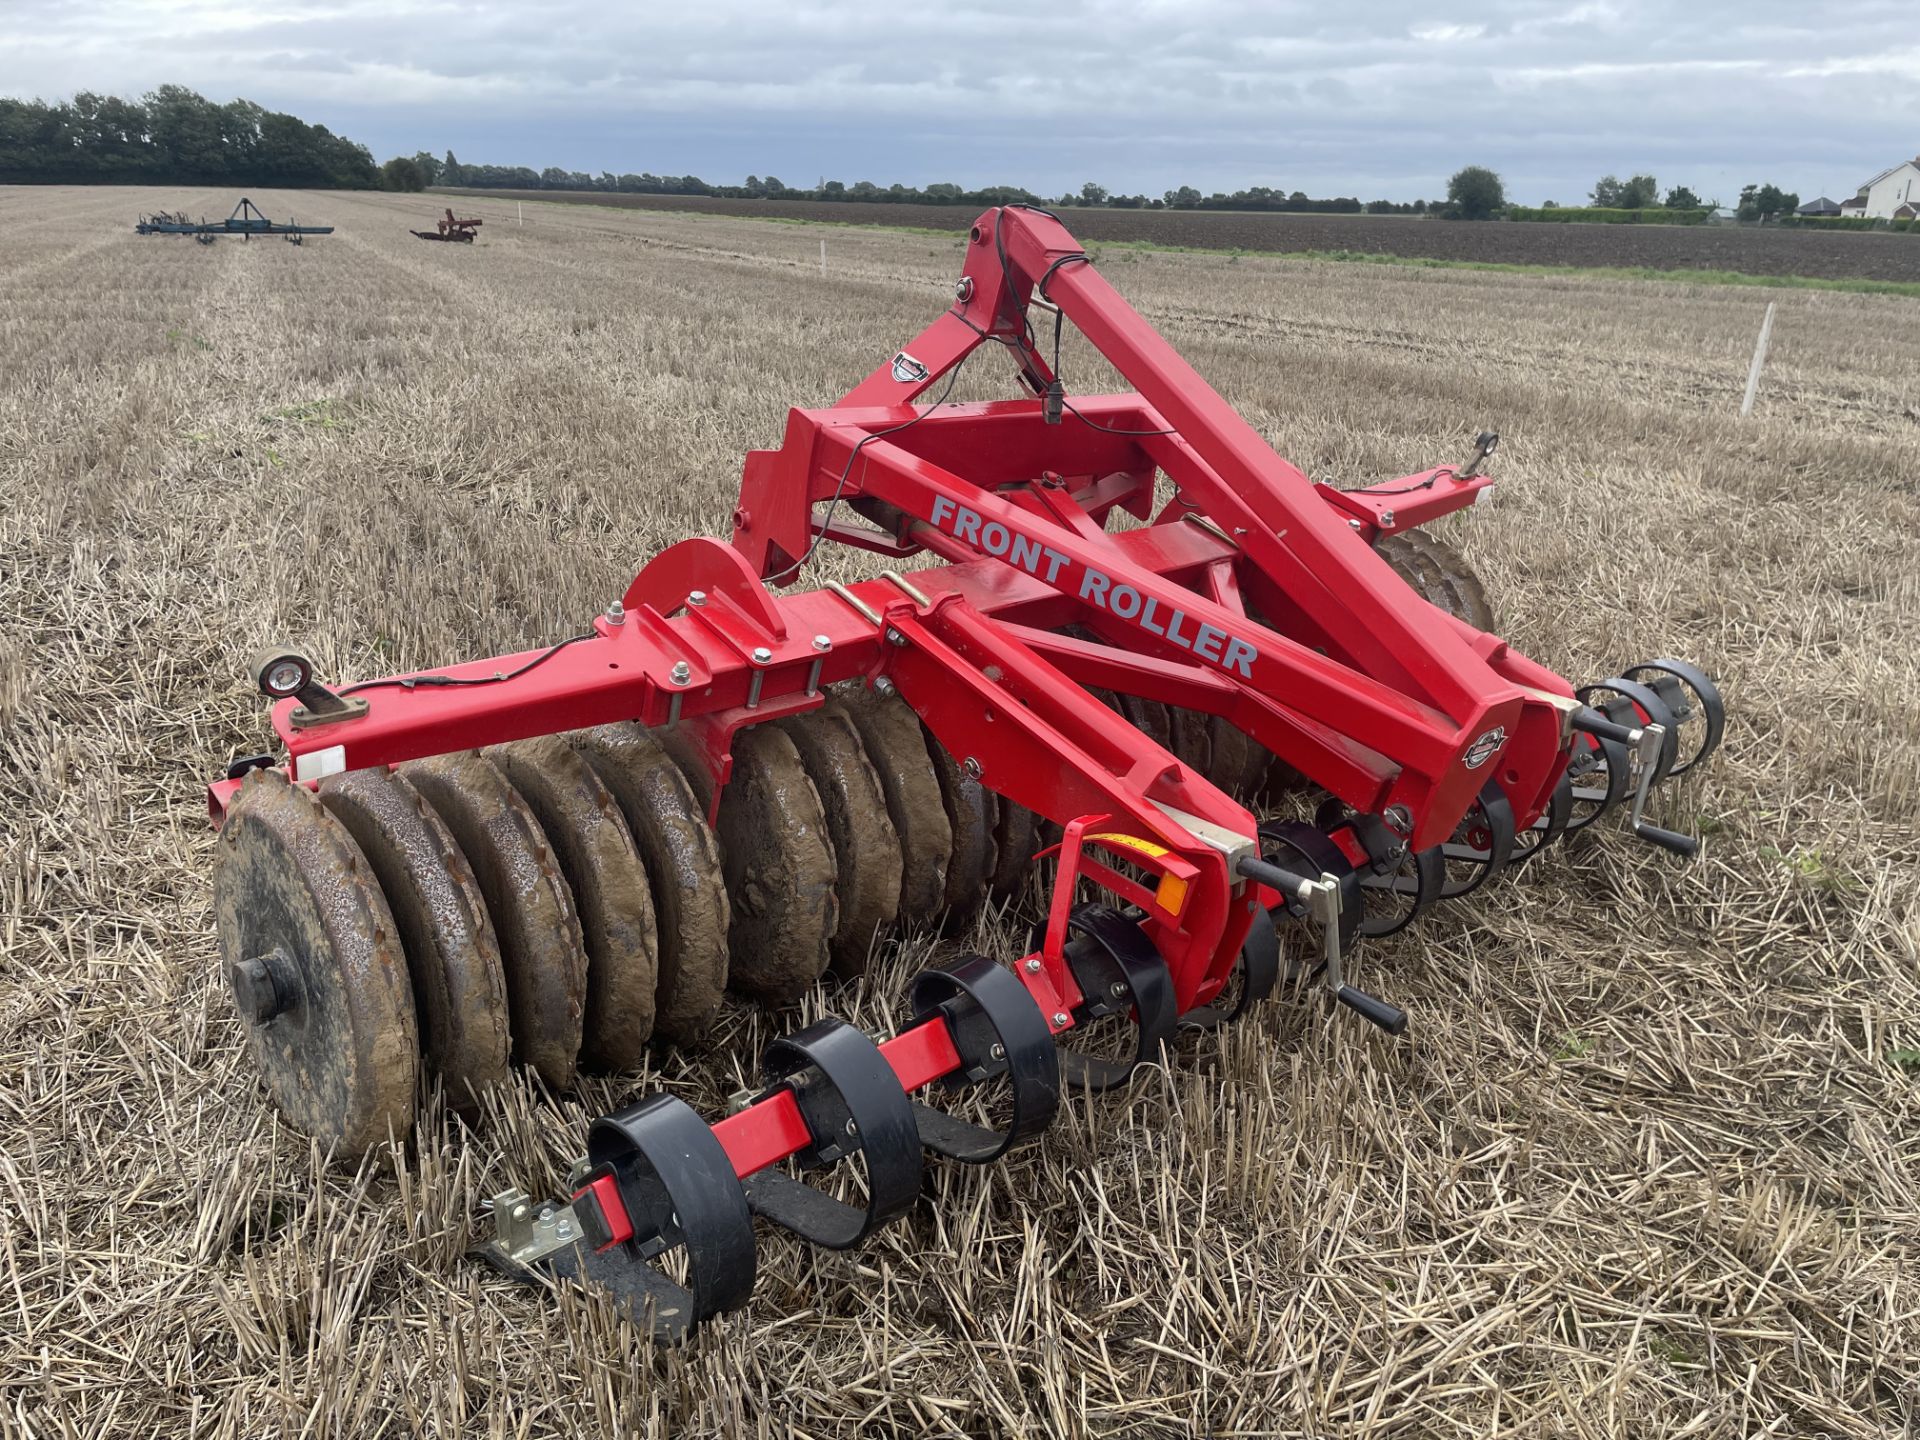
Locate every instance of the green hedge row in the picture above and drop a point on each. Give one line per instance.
(1596, 215)
(1845, 222)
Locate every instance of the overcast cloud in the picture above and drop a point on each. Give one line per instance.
(1378, 100)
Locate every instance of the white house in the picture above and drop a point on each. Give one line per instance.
(1887, 191)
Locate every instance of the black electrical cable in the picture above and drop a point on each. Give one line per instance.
(415, 682)
(1426, 484)
(1109, 429)
(1081, 257)
(846, 470)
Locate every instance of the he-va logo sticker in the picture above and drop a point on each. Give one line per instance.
(1045, 563)
(1485, 748)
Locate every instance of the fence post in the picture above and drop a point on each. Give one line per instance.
(1759, 359)
(823, 256)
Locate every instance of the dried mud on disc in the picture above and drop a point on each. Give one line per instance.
(1191, 738)
(895, 743)
(866, 848)
(459, 985)
(1016, 836)
(779, 868)
(1439, 573)
(1235, 759)
(541, 951)
(969, 807)
(290, 887)
(682, 860)
(678, 744)
(611, 891)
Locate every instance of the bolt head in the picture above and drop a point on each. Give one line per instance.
(883, 687)
(971, 766)
(822, 642)
(1386, 519)
(761, 655)
(257, 992)
(894, 637)
(681, 672)
(616, 613)
(1033, 966)
(998, 1051)
(853, 1127)
(1060, 1019)
(696, 598)
(1118, 990)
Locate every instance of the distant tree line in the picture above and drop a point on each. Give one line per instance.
(173, 136)
(452, 172)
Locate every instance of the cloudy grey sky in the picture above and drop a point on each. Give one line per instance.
(1359, 98)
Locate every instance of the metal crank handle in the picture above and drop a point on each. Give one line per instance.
(1591, 722)
(1390, 1018)
(1651, 738)
(1322, 896)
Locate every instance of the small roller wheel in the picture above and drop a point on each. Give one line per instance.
(609, 881)
(969, 807)
(314, 960)
(1439, 574)
(683, 865)
(1016, 839)
(866, 847)
(891, 733)
(541, 950)
(459, 986)
(779, 869)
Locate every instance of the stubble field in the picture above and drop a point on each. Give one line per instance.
(1647, 1162)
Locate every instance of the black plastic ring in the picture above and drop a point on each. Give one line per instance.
(1322, 857)
(1117, 969)
(1651, 710)
(998, 1030)
(1549, 827)
(678, 1187)
(1613, 758)
(1494, 805)
(1258, 966)
(1705, 693)
(851, 1099)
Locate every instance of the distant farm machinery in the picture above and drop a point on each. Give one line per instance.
(450, 227)
(246, 222)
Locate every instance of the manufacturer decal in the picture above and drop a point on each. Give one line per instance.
(907, 370)
(1485, 748)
